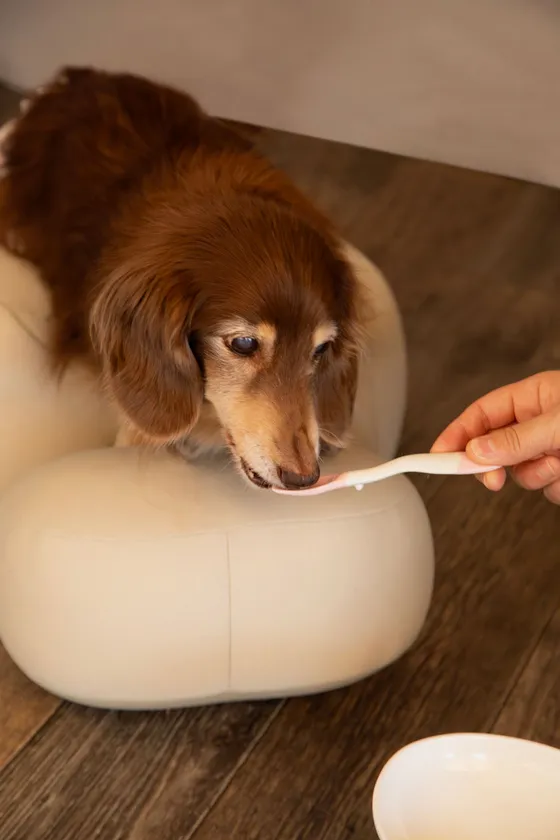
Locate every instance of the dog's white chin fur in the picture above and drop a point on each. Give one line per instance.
(193, 451)
(238, 461)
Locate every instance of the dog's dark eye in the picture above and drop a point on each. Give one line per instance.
(321, 349)
(244, 345)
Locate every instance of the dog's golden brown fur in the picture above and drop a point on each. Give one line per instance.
(210, 295)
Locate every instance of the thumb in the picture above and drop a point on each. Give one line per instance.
(519, 442)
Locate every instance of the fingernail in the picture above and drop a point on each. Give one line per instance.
(483, 447)
(545, 471)
(493, 480)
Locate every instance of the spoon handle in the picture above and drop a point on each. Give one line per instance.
(430, 463)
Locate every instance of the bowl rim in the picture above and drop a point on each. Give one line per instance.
(464, 735)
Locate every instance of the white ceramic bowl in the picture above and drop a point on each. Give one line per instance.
(469, 787)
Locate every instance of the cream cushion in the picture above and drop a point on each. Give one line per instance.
(133, 580)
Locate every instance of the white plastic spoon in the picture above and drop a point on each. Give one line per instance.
(432, 463)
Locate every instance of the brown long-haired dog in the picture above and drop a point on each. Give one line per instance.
(211, 296)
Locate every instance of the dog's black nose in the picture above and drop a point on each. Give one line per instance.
(293, 481)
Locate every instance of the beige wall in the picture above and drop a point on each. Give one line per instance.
(473, 82)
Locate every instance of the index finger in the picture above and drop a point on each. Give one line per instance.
(509, 404)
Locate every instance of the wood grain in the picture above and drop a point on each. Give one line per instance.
(532, 710)
(24, 708)
(92, 774)
(474, 261)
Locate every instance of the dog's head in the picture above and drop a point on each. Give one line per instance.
(246, 305)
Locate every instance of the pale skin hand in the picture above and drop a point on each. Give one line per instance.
(517, 426)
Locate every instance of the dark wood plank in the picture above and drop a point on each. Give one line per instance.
(24, 709)
(114, 775)
(533, 710)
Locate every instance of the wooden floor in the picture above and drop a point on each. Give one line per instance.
(475, 263)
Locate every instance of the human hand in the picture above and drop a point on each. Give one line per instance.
(515, 426)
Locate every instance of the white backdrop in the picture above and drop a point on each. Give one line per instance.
(472, 82)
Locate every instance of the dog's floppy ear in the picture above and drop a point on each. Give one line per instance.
(140, 328)
(336, 379)
(335, 392)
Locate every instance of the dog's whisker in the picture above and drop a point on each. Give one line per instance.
(331, 438)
